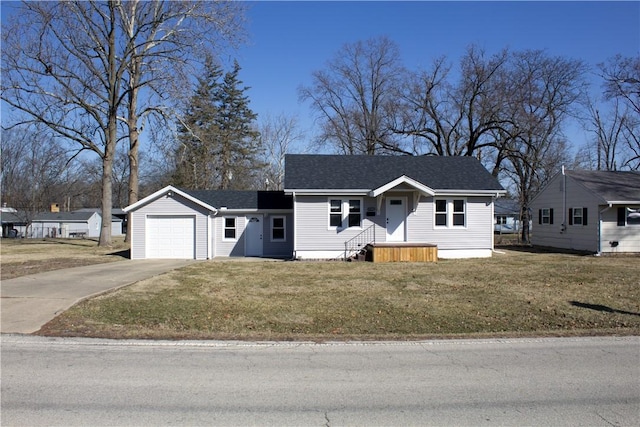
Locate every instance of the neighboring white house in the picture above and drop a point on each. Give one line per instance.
(507, 216)
(70, 224)
(593, 211)
(328, 202)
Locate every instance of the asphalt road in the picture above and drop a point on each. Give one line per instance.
(579, 381)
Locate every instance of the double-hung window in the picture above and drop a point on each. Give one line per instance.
(278, 229)
(441, 213)
(450, 213)
(578, 216)
(459, 215)
(545, 216)
(230, 228)
(355, 213)
(344, 213)
(335, 213)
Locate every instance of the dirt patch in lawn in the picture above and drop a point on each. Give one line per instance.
(515, 294)
(21, 257)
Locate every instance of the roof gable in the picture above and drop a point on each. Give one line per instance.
(168, 190)
(345, 172)
(611, 186)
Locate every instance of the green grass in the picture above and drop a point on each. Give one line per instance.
(517, 294)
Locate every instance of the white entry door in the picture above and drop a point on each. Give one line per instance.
(253, 236)
(396, 210)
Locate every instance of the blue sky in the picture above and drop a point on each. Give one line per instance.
(290, 40)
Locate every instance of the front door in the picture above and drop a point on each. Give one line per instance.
(396, 213)
(253, 236)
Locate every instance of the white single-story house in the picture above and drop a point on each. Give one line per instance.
(331, 206)
(14, 223)
(507, 216)
(70, 224)
(592, 211)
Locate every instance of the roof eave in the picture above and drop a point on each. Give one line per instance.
(470, 192)
(167, 190)
(326, 191)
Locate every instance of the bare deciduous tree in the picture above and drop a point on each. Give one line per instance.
(61, 69)
(162, 38)
(455, 119)
(355, 96)
(92, 71)
(277, 135)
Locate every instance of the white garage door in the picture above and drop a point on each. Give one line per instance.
(171, 237)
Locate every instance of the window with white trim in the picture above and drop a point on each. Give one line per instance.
(450, 212)
(335, 213)
(229, 228)
(545, 216)
(278, 229)
(344, 213)
(578, 216)
(441, 213)
(355, 213)
(459, 214)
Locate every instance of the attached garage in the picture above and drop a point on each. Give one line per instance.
(170, 237)
(201, 224)
(171, 224)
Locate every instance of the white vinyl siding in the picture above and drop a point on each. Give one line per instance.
(477, 234)
(226, 247)
(312, 229)
(615, 238)
(562, 231)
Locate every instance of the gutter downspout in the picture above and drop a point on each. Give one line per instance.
(295, 229)
(564, 202)
(600, 228)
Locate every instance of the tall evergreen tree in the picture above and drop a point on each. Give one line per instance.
(238, 139)
(218, 143)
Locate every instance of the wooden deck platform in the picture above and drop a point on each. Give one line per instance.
(402, 252)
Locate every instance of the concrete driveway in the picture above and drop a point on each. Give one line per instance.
(29, 302)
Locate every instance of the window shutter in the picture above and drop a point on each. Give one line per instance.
(539, 216)
(550, 216)
(570, 216)
(622, 214)
(584, 216)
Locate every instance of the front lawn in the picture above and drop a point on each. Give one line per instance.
(22, 257)
(515, 294)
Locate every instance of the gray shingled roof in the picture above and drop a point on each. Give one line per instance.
(63, 216)
(237, 199)
(609, 185)
(13, 217)
(306, 171)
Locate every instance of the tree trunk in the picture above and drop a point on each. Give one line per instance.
(134, 136)
(107, 173)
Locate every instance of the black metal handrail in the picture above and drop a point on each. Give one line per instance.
(358, 242)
